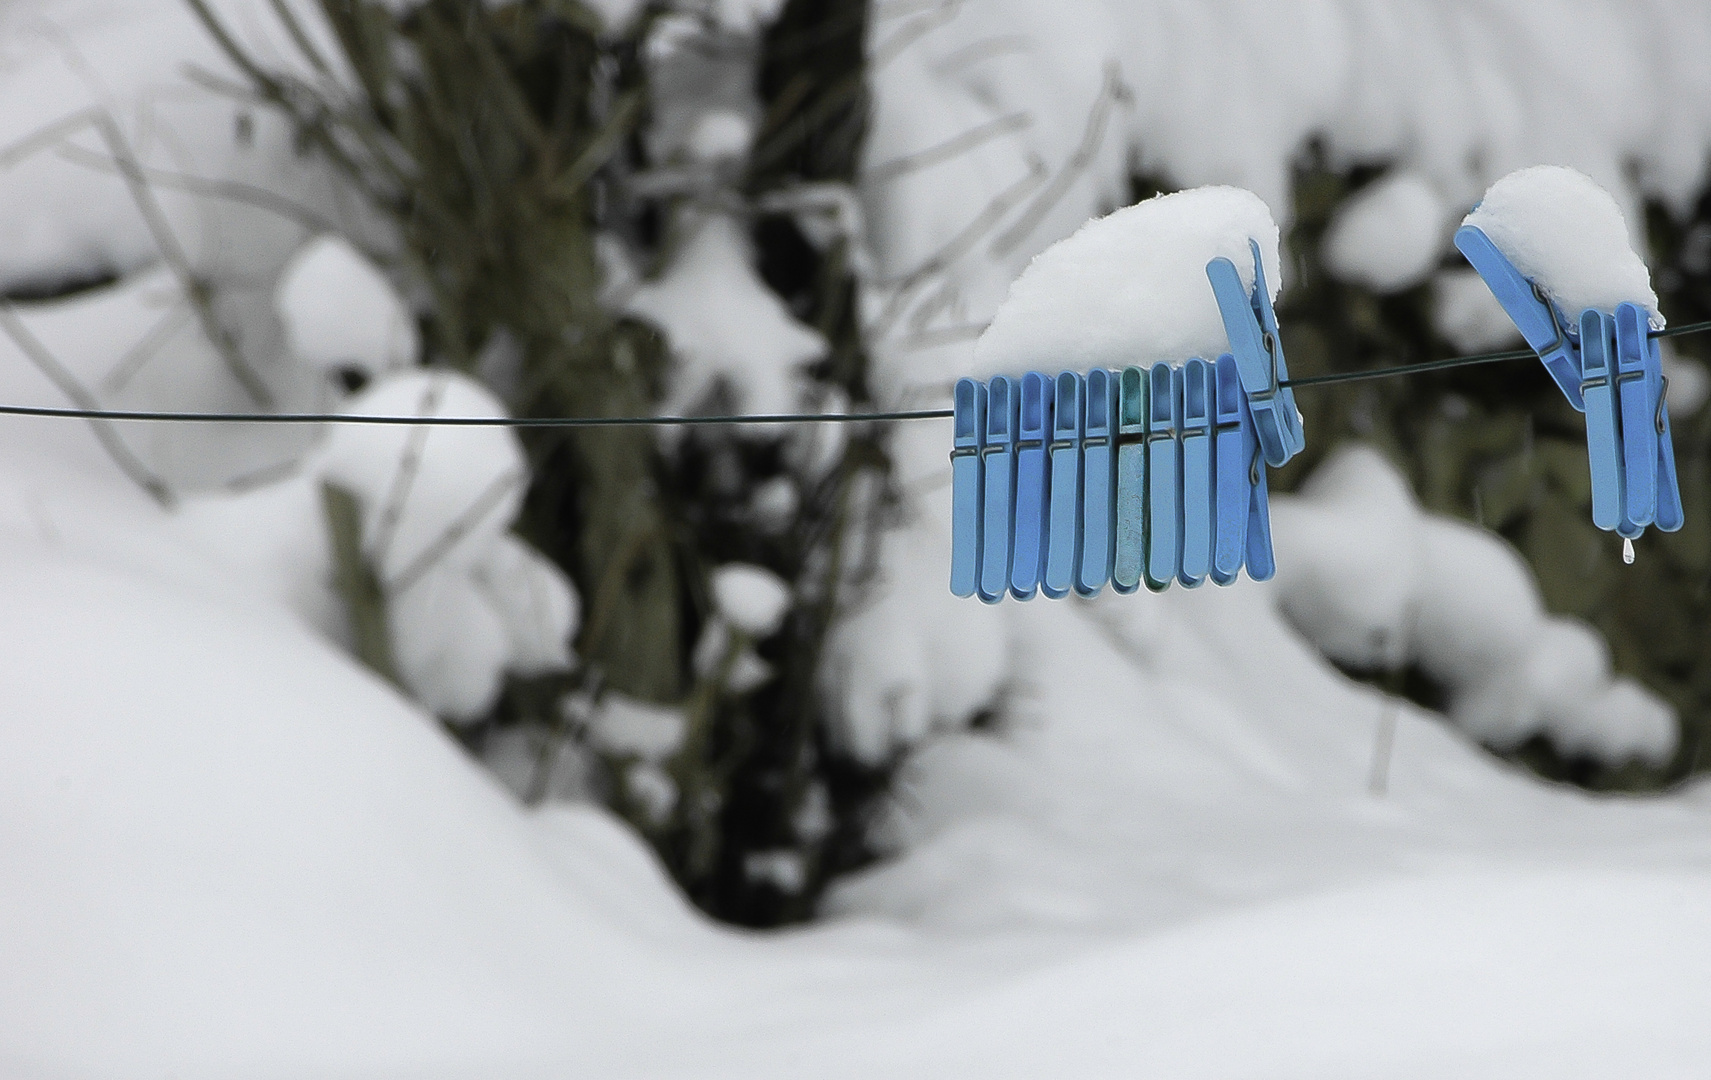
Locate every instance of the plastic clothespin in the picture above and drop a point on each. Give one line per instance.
(1645, 418)
(968, 435)
(1232, 461)
(1546, 330)
(1636, 394)
(1164, 476)
(1251, 326)
(998, 460)
(1603, 439)
(1033, 486)
(1197, 475)
(1261, 562)
(1099, 487)
(1130, 560)
(1063, 529)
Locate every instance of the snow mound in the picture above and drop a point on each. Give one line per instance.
(1130, 287)
(1389, 235)
(1568, 234)
(1462, 605)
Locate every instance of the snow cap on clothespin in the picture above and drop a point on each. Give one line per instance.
(1130, 287)
(1555, 251)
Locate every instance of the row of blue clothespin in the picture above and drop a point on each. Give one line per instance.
(1140, 476)
(1609, 367)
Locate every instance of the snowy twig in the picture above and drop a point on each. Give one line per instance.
(229, 190)
(950, 148)
(130, 170)
(409, 463)
(985, 49)
(983, 222)
(48, 365)
(892, 47)
(1092, 136)
(459, 527)
(145, 349)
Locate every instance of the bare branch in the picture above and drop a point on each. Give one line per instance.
(392, 510)
(987, 49)
(892, 47)
(146, 348)
(970, 235)
(230, 190)
(950, 148)
(67, 383)
(460, 527)
(1092, 136)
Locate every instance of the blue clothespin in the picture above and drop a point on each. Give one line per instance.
(1233, 491)
(1637, 349)
(1636, 404)
(998, 459)
(1033, 486)
(1251, 325)
(1130, 561)
(1603, 438)
(1197, 476)
(1261, 563)
(1164, 476)
(1063, 528)
(1546, 330)
(968, 435)
(1099, 488)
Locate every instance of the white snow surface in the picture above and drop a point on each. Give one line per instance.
(1131, 287)
(1566, 233)
(230, 851)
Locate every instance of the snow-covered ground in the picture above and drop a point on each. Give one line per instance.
(1188, 847)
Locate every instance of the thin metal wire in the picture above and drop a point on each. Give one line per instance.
(1460, 361)
(472, 421)
(708, 421)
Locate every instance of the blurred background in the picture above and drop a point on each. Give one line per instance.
(738, 639)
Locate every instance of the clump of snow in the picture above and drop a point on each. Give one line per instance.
(449, 645)
(1568, 234)
(782, 868)
(743, 671)
(622, 725)
(1388, 236)
(719, 135)
(434, 494)
(1376, 583)
(746, 16)
(724, 324)
(339, 311)
(753, 598)
(1467, 315)
(914, 659)
(1363, 530)
(1131, 287)
(535, 603)
(1689, 382)
(617, 16)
